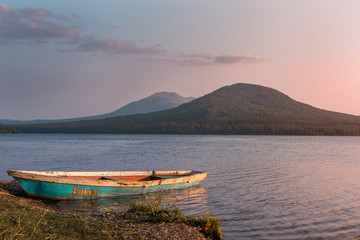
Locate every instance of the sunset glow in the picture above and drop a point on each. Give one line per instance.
(71, 59)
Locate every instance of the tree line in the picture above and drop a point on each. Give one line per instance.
(8, 131)
(117, 126)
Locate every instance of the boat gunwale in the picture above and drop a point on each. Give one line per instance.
(65, 177)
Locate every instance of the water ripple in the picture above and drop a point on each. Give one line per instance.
(261, 187)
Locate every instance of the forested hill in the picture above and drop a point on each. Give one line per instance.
(237, 109)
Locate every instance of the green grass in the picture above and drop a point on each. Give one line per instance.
(21, 220)
(159, 212)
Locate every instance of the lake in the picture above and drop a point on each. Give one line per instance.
(261, 187)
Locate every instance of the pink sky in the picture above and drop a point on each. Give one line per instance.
(66, 60)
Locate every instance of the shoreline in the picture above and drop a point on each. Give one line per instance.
(119, 225)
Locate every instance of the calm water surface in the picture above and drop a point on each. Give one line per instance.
(262, 187)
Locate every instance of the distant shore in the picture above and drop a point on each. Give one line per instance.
(25, 218)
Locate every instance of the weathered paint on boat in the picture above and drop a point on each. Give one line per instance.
(79, 185)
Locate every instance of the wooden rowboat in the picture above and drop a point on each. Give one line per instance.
(58, 185)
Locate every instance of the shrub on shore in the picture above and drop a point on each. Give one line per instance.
(159, 212)
(9, 131)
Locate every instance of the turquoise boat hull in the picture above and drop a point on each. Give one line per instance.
(92, 185)
(62, 191)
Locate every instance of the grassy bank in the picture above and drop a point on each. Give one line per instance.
(23, 218)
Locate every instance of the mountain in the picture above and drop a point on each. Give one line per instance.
(237, 109)
(156, 102)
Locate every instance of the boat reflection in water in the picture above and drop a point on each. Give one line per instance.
(192, 200)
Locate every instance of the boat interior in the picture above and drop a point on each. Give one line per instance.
(119, 178)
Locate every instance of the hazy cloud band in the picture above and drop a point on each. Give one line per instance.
(40, 25)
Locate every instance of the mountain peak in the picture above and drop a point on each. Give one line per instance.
(154, 103)
(172, 97)
(165, 94)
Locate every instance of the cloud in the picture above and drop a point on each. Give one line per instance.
(115, 26)
(209, 59)
(30, 24)
(115, 47)
(231, 59)
(157, 54)
(194, 59)
(74, 15)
